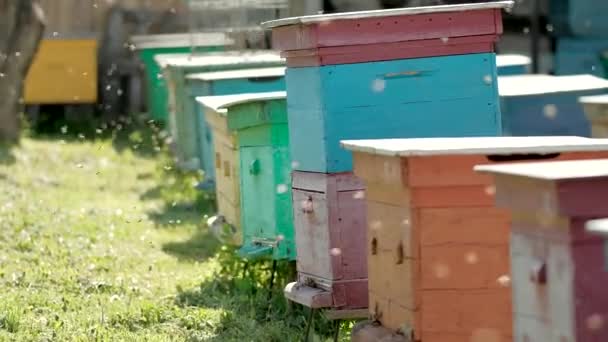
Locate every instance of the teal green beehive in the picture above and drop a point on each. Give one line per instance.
(149, 46)
(182, 109)
(242, 81)
(260, 123)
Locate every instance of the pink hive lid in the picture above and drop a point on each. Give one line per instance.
(320, 18)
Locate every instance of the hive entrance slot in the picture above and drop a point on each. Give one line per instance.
(521, 157)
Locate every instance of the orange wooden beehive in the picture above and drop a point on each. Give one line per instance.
(438, 249)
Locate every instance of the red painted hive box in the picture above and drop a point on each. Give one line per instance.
(438, 249)
(558, 272)
(357, 37)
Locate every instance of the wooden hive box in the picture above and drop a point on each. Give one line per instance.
(546, 105)
(260, 123)
(509, 65)
(226, 83)
(227, 164)
(71, 64)
(575, 56)
(437, 248)
(583, 18)
(176, 68)
(329, 222)
(149, 46)
(558, 272)
(388, 100)
(366, 36)
(596, 111)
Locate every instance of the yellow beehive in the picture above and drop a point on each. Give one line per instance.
(63, 71)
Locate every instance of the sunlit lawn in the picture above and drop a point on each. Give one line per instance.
(102, 240)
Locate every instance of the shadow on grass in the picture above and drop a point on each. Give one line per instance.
(6, 154)
(199, 247)
(132, 132)
(248, 302)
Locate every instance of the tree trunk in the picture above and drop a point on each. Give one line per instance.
(21, 29)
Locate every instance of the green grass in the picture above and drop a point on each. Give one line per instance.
(102, 240)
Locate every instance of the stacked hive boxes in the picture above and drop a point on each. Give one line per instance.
(558, 272)
(438, 249)
(373, 74)
(181, 103)
(226, 83)
(580, 27)
(546, 105)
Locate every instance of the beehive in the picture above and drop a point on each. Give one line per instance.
(575, 56)
(546, 105)
(596, 111)
(583, 18)
(227, 161)
(509, 65)
(260, 123)
(226, 83)
(368, 75)
(366, 36)
(437, 248)
(149, 46)
(558, 272)
(71, 64)
(181, 105)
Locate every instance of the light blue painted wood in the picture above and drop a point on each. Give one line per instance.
(511, 70)
(510, 64)
(446, 96)
(204, 86)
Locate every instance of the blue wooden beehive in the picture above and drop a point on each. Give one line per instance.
(226, 83)
(579, 17)
(401, 98)
(546, 105)
(574, 56)
(513, 65)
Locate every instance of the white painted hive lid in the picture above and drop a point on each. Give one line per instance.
(164, 58)
(512, 60)
(319, 18)
(239, 74)
(560, 170)
(181, 40)
(597, 99)
(599, 227)
(222, 58)
(521, 85)
(475, 145)
(221, 102)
